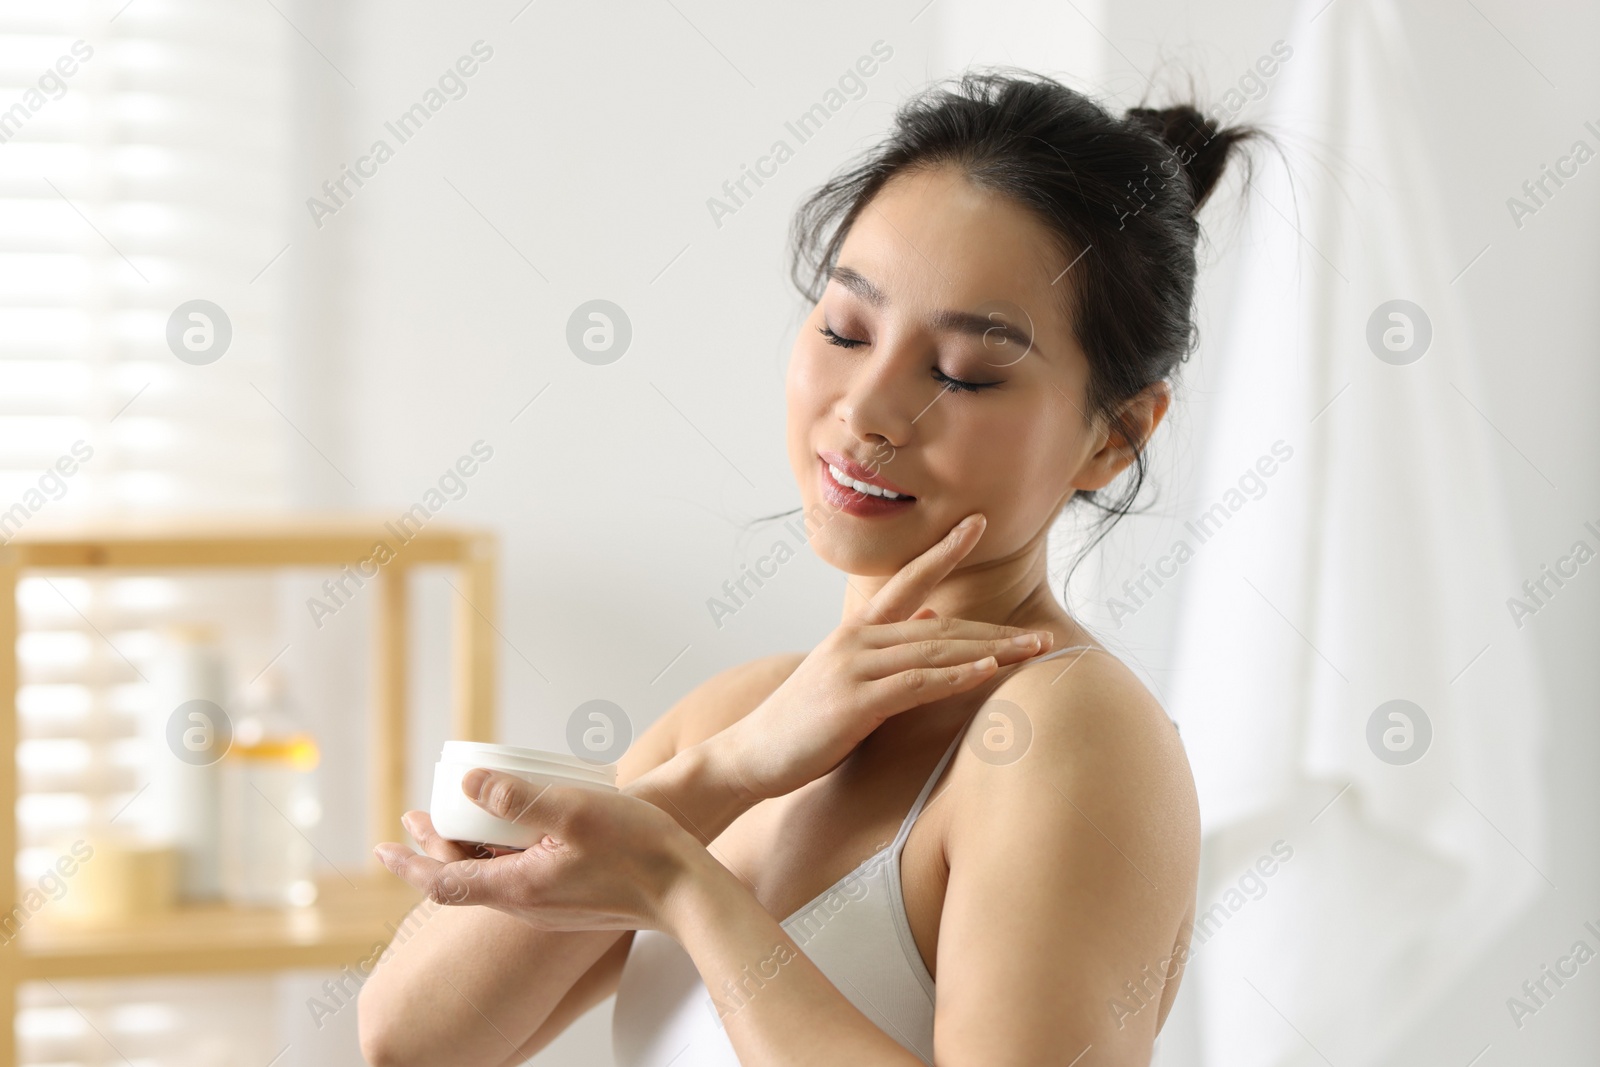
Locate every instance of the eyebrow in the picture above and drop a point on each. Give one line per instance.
(963, 322)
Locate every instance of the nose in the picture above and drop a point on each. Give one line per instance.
(880, 404)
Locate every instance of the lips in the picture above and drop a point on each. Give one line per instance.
(859, 473)
(853, 501)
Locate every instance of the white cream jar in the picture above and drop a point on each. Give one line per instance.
(455, 815)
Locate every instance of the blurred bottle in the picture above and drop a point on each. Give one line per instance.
(269, 803)
(186, 731)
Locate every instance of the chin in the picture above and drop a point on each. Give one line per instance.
(856, 547)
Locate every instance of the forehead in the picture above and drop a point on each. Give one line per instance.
(931, 238)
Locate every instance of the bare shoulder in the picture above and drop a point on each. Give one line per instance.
(1076, 838)
(1095, 703)
(708, 709)
(1082, 737)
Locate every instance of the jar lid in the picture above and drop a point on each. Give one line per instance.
(513, 758)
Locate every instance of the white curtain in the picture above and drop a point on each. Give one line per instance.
(1371, 565)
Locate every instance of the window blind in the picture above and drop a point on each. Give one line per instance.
(143, 151)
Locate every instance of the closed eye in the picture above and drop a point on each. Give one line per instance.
(953, 385)
(956, 385)
(834, 339)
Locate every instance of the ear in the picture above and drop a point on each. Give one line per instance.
(1120, 444)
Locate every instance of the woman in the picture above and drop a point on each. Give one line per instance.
(982, 857)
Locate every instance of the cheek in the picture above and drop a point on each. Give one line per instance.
(807, 395)
(815, 366)
(1014, 466)
(803, 385)
(991, 457)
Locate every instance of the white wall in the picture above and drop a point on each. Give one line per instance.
(591, 141)
(588, 146)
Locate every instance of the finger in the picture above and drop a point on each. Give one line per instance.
(883, 662)
(444, 883)
(508, 797)
(943, 627)
(910, 586)
(419, 824)
(924, 685)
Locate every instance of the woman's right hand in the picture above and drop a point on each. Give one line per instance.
(892, 656)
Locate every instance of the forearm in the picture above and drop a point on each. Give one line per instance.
(696, 788)
(459, 968)
(778, 1008)
(468, 985)
(463, 967)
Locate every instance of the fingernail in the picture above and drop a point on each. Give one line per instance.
(1026, 641)
(986, 663)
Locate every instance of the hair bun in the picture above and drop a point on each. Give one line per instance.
(1200, 144)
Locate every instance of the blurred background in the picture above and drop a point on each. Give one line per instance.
(224, 307)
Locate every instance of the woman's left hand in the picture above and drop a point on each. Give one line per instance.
(607, 861)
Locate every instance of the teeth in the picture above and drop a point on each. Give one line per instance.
(861, 487)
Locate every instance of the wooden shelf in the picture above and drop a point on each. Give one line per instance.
(268, 540)
(346, 925)
(349, 921)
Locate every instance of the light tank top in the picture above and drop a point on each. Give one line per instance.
(855, 931)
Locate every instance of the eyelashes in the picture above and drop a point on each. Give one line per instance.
(956, 385)
(834, 339)
(949, 384)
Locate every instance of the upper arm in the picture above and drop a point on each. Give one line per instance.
(1072, 874)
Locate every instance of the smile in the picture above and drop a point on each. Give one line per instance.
(845, 486)
(863, 487)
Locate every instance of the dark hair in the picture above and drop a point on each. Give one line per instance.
(1119, 195)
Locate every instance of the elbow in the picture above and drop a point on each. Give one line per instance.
(382, 1044)
(377, 1046)
(380, 1049)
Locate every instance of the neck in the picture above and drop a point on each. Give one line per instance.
(1010, 591)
